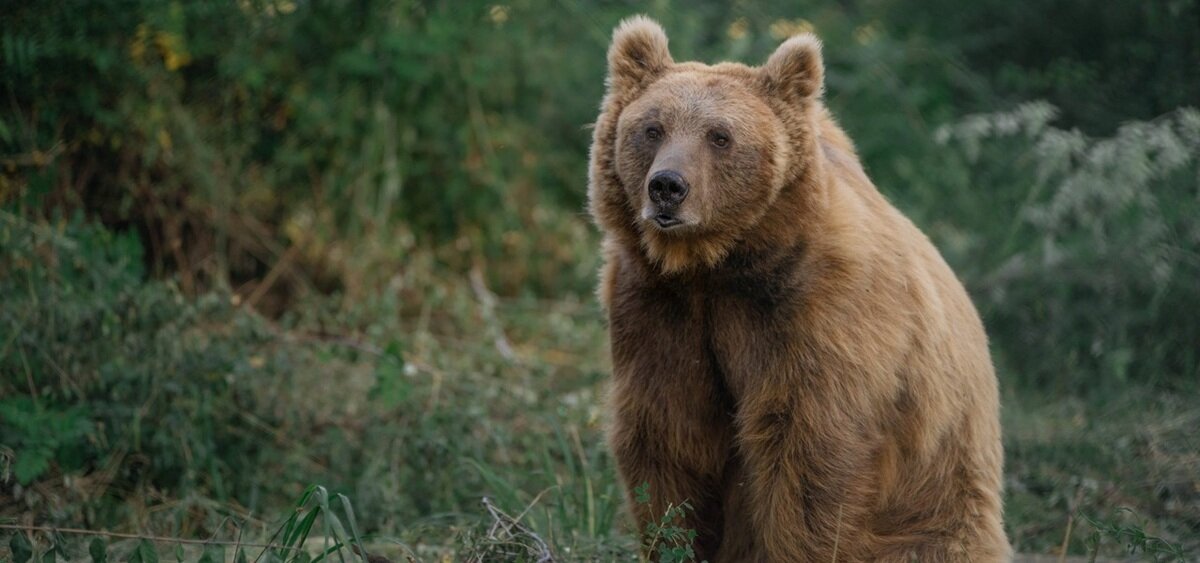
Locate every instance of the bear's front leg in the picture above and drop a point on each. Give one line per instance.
(808, 462)
(673, 450)
(671, 418)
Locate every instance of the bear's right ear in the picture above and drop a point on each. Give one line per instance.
(638, 54)
(795, 70)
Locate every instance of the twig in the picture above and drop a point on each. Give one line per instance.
(272, 276)
(501, 521)
(237, 545)
(159, 539)
(1062, 554)
(487, 303)
(35, 158)
(319, 338)
(371, 557)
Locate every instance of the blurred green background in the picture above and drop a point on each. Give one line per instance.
(248, 246)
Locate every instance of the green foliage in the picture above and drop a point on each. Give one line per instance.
(387, 121)
(212, 554)
(1088, 282)
(104, 372)
(1069, 456)
(641, 493)
(290, 538)
(336, 536)
(145, 552)
(1135, 539)
(1129, 61)
(577, 509)
(98, 550)
(39, 436)
(20, 548)
(665, 538)
(199, 399)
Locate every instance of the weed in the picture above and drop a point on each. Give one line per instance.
(1133, 537)
(666, 538)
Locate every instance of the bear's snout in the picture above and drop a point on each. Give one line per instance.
(667, 190)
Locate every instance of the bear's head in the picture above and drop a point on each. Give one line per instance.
(688, 158)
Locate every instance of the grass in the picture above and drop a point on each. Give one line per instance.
(524, 432)
(1120, 461)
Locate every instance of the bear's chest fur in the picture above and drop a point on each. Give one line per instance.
(727, 323)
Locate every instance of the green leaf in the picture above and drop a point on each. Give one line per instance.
(144, 553)
(349, 511)
(51, 555)
(641, 493)
(179, 552)
(212, 554)
(392, 387)
(300, 532)
(5, 132)
(21, 550)
(31, 463)
(98, 549)
(241, 556)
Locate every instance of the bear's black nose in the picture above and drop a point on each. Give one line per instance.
(667, 188)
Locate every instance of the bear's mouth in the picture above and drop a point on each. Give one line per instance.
(666, 221)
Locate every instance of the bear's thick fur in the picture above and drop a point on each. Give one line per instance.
(791, 355)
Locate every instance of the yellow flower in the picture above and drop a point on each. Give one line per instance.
(169, 46)
(137, 47)
(164, 139)
(866, 33)
(498, 14)
(738, 29)
(783, 29)
(174, 53)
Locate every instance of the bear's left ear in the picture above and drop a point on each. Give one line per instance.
(638, 54)
(795, 70)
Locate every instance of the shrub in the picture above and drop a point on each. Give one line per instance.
(1089, 280)
(122, 387)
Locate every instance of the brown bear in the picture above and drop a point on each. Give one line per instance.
(791, 355)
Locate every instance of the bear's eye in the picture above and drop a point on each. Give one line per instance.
(653, 133)
(718, 139)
